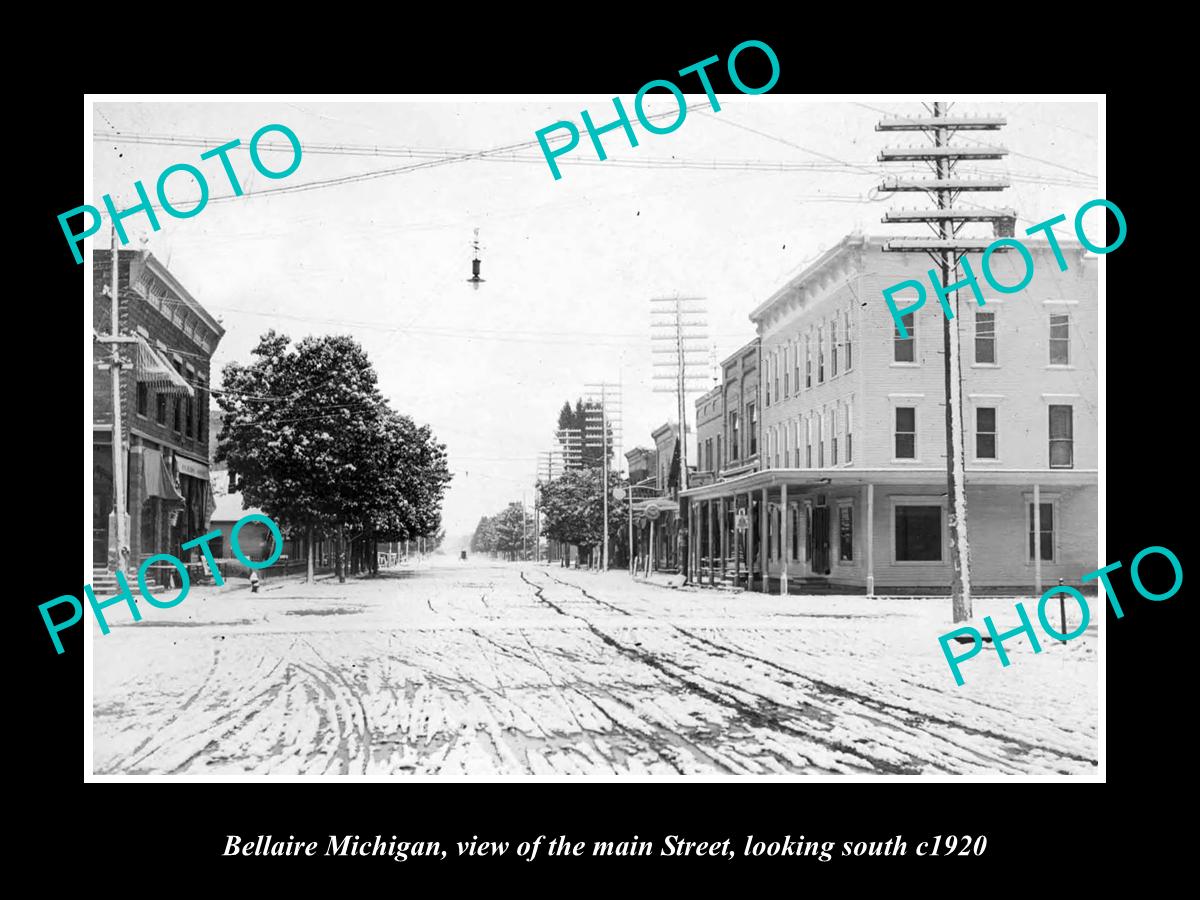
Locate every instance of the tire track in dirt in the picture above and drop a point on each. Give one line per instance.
(755, 717)
(885, 707)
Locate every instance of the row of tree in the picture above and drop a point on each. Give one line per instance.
(508, 533)
(317, 447)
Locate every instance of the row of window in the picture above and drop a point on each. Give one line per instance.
(904, 350)
(801, 443)
(1061, 434)
(781, 368)
(917, 535)
(188, 416)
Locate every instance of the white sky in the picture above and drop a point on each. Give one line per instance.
(570, 265)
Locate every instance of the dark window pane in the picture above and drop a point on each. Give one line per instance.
(919, 533)
(985, 419)
(985, 350)
(985, 446)
(906, 418)
(1060, 453)
(906, 447)
(1060, 422)
(846, 531)
(1047, 545)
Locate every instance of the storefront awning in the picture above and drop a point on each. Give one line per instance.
(158, 480)
(152, 370)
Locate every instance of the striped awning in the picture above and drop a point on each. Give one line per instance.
(151, 369)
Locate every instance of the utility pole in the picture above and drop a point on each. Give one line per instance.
(114, 365)
(946, 249)
(603, 394)
(550, 464)
(678, 337)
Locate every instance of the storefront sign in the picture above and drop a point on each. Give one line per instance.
(191, 468)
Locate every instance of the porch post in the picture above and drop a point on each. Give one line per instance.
(723, 522)
(737, 542)
(764, 540)
(693, 544)
(870, 539)
(650, 556)
(784, 548)
(712, 559)
(1037, 539)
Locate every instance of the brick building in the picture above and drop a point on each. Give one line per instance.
(164, 397)
(851, 491)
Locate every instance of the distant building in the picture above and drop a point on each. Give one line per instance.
(164, 398)
(848, 486)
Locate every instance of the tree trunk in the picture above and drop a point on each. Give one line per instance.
(341, 556)
(309, 570)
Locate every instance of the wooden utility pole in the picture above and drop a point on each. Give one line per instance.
(121, 561)
(946, 249)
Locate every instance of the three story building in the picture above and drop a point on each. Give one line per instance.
(849, 490)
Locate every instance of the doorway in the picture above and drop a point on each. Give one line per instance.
(820, 540)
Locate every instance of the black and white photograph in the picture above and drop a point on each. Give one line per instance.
(679, 435)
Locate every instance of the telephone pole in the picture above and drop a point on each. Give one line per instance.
(604, 401)
(946, 249)
(114, 364)
(549, 464)
(678, 338)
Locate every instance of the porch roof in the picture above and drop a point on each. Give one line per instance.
(818, 478)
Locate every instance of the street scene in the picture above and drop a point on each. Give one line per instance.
(489, 668)
(676, 459)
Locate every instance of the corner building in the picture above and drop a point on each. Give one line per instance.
(849, 494)
(169, 340)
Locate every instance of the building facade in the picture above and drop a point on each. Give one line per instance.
(851, 487)
(167, 347)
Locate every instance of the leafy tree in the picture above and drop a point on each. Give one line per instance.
(484, 538)
(317, 448)
(514, 531)
(572, 510)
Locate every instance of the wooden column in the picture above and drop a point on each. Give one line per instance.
(723, 521)
(712, 558)
(784, 548)
(764, 539)
(1037, 539)
(870, 540)
(693, 544)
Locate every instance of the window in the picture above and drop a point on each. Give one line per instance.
(160, 409)
(820, 355)
(808, 443)
(833, 347)
(904, 349)
(775, 363)
(201, 415)
(1060, 339)
(776, 439)
(985, 432)
(849, 348)
(906, 432)
(735, 441)
(767, 381)
(1062, 444)
(807, 361)
(787, 372)
(985, 338)
(821, 441)
(1046, 542)
(919, 533)
(143, 399)
(752, 421)
(796, 364)
(833, 434)
(720, 461)
(846, 532)
(849, 433)
(176, 409)
(189, 417)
